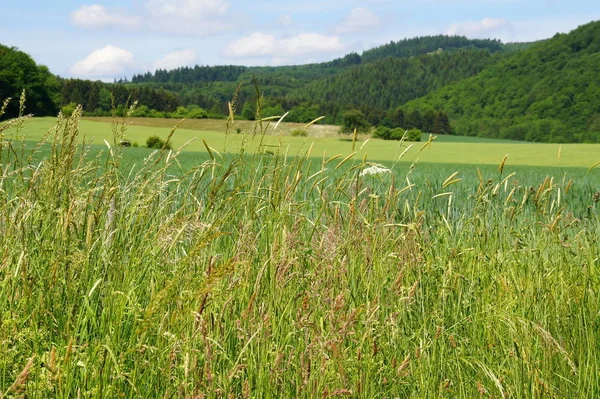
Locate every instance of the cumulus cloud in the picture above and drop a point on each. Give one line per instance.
(260, 45)
(189, 17)
(360, 19)
(255, 45)
(187, 8)
(176, 59)
(185, 17)
(96, 16)
(105, 63)
(487, 27)
(285, 20)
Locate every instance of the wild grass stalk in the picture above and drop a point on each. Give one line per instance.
(259, 275)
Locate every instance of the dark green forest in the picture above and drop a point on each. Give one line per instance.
(545, 91)
(548, 93)
(18, 72)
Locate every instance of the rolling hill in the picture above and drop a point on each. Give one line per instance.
(549, 92)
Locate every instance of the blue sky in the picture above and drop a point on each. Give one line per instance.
(108, 39)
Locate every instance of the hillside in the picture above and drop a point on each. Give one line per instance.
(377, 82)
(428, 44)
(549, 92)
(388, 83)
(18, 72)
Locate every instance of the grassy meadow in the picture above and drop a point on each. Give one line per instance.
(324, 140)
(278, 272)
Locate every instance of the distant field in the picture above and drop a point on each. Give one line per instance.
(470, 151)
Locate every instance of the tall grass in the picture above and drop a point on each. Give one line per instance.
(259, 275)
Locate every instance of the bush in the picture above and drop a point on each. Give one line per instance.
(156, 114)
(197, 113)
(382, 132)
(385, 133)
(354, 120)
(157, 143)
(141, 112)
(180, 113)
(68, 109)
(414, 135)
(397, 134)
(298, 133)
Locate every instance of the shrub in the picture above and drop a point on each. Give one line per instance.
(142, 111)
(197, 113)
(180, 113)
(298, 133)
(157, 143)
(414, 135)
(385, 133)
(156, 114)
(397, 134)
(68, 109)
(382, 132)
(354, 120)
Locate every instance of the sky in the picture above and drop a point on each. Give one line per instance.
(119, 38)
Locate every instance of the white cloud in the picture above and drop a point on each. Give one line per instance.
(255, 45)
(176, 59)
(189, 17)
(260, 45)
(105, 63)
(285, 20)
(486, 28)
(96, 16)
(309, 44)
(360, 19)
(187, 8)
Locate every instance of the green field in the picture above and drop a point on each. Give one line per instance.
(466, 151)
(132, 273)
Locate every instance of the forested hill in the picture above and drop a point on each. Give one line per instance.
(377, 83)
(388, 83)
(18, 72)
(548, 92)
(428, 44)
(401, 49)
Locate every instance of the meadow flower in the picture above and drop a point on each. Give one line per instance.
(375, 169)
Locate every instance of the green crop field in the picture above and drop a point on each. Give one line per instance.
(131, 273)
(444, 149)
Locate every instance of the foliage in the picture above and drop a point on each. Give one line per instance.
(197, 113)
(548, 92)
(157, 143)
(249, 111)
(18, 72)
(412, 47)
(67, 110)
(383, 85)
(190, 275)
(386, 133)
(354, 120)
(414, 134)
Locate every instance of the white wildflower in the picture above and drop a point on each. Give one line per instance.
(375, 169)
